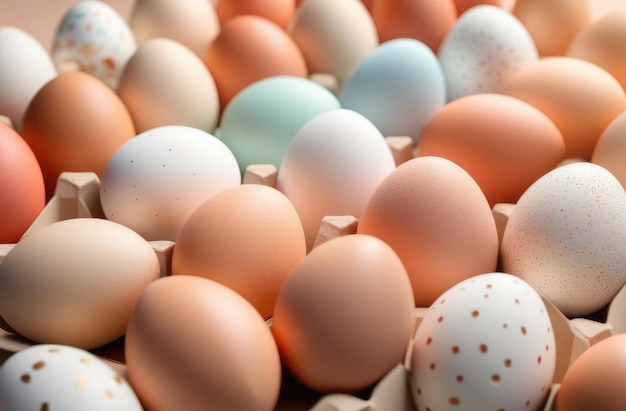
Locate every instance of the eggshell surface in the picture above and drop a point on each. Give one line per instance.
(278, 11)
(438, 221)
(83, 285)
(610, 149)
(327, 337)
(194, 344)
(53, 376)
(564, 237)
(486, 343)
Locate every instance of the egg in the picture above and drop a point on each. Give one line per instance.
(332, 167)
(154, 181)
(398, 87)
(485, 46)
(427, 21)
(345, 316)
(248, 237)
(25, 67)
(278, 11)
(486, 343)
(165, 83)
(595, 378)
(601, 43)
(463, 5)
(250, 48)
(260, 122)
(333, 35)
(564, 237)
(75, 123)
(553, 24)
(194, 344)
(21, 185)
(504, 143)
(94, 38)
(436, 218)
(582, 112)
(610, 149)
(193, 23)
(82, 286)
(62, 377)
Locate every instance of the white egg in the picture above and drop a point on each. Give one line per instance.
(566, 237)
(485, 45)
(49, 377)
(155, 180)
(485, 344)
(333, 166)
(398, 87)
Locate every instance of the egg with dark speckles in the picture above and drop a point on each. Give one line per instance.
(566, 237)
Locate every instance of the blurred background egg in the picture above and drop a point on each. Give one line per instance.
(194, 344)
(250, 48)
(25, 67)
(248, 237)
(438, 221)
(345, 315)
(487, 343)
(94, 38)
(398, 87)
(193, 23)
(260, 122)
(75, 123)
(504, 143)
(21, 186)
(278, 11)
(565, 236)
(427, 20)
(333, 35)
(610, 150)
(332, 167)
(579, 97)
(154, 181)
(165, 83)
(83, 285)
(463, 5)
(485, 46)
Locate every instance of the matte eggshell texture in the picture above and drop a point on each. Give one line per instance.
(82, 287)
(21, 186)
(565, 238)
(165, 83)
(194, 344)
(579, 97)
(248, 238)
(610, 150)
(278, 11)
(485, 344)
(438, 221)
(463, 5)
(504, 143)
(345, 316)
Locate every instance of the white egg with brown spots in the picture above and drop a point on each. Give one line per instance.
(50, 377)
(485, 344)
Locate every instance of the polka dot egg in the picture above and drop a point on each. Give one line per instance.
(48, 377)
(485, 344)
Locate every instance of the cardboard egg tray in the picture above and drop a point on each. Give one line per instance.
(77, 195)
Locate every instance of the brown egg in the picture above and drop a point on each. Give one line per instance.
(610, 150)
(504, 143)
(21, 186)
(248, 49)
(194, 344)
(463, 5)
(345, 316)
(425, 20)
(278, 11)
(248, 238)
(603, 43)
(75, 123)
(579, 97)
(553, 23)
(596, 379)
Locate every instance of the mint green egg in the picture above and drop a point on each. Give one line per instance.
(260, 122)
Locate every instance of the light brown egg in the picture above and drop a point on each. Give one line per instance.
(194, 344)
(463, 5)
(610, 150)
(504, 143)
(251, 48)
(579, 97)
(248, 238)
(75, 123)
(278, 11)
